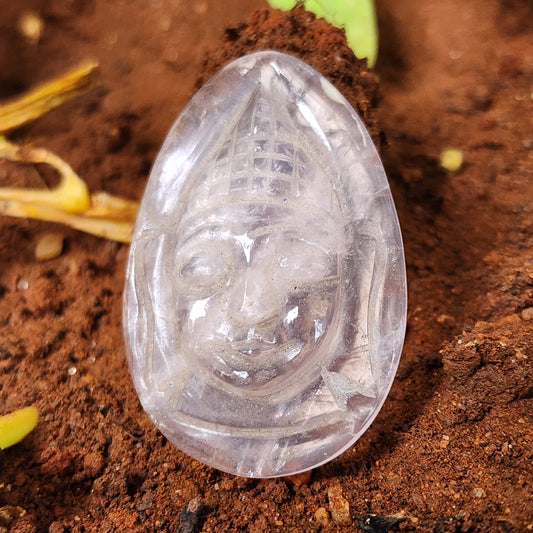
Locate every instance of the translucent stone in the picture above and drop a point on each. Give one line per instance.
(265, 299)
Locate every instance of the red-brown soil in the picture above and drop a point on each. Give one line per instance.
(452, 447)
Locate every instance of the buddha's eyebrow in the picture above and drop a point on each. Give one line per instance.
(217, 229)
(310, 234)
(224, 227)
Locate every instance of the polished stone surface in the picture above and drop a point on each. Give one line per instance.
(265, 300)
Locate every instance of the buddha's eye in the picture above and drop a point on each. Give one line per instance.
(204, 266)
(305, 262)
(205, 269)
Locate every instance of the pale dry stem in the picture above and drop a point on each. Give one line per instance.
(50, 94)
(69, 202)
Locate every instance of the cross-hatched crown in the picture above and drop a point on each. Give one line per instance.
(261, 161)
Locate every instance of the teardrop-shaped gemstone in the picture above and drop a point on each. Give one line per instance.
(265, 300)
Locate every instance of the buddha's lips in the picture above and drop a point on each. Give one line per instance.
(284, 352)
(253, 346)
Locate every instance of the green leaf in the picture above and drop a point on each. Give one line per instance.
(357, 17)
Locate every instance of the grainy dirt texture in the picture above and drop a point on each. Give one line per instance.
(452, 449)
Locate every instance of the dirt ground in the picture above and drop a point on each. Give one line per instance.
(452, 448)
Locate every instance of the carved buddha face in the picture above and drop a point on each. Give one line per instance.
(257, 255)
(256, 288)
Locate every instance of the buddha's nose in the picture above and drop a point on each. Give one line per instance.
(254, 298)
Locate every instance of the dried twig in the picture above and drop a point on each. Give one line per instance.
(48, 95)
(69, 202)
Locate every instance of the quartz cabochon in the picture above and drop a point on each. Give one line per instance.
(265, 296)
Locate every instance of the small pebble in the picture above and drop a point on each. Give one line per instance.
(146, 503)
(520, 355)
(9, 513)
(339, 507)
(56, 527)
(31, 26)
(190, 516)
(72, 370)
(23, 285)
(527, 314)
(297, 480)
(49, 246)
(444, 441)
(322, 517)
(446, 320)
(376, 523)
(451, 159)
(479, 492)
